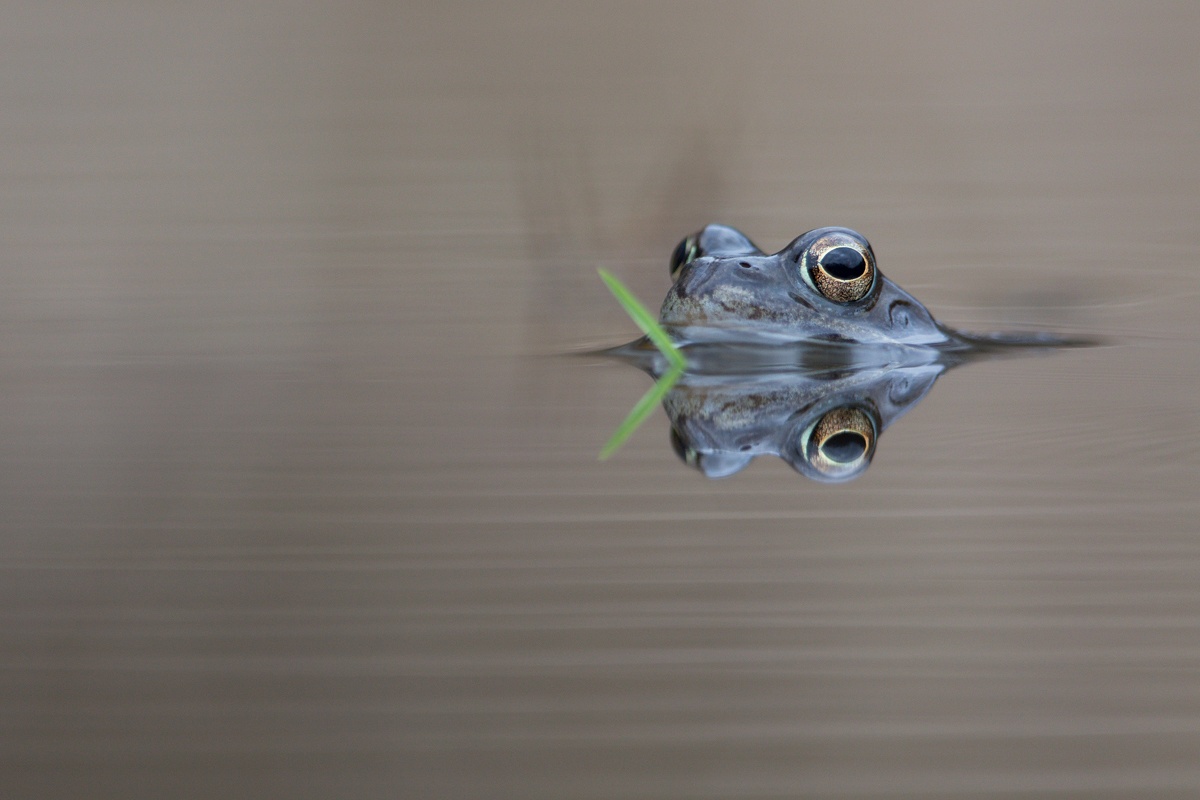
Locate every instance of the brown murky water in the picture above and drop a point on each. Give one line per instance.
(300, 498)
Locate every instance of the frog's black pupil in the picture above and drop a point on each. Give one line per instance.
(677, 257)
(844, 447)
(844, 263)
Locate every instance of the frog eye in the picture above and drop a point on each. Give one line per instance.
(685, 253)
(842, 272)
(841, 443)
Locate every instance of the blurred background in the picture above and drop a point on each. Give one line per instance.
(299, 492)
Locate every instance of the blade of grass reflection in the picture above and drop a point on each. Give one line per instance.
(644, 408)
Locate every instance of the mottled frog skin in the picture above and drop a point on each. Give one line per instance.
(823, 287)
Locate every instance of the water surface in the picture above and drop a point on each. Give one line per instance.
(301, 494)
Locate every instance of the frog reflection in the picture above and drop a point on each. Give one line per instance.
(824, 424)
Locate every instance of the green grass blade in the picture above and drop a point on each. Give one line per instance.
(644, 319)
(643, 409)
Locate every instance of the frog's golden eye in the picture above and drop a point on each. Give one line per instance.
(842, 273)
(685, 253)
(841, 441)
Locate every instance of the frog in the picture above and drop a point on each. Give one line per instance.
(823, 287)
(808, 354)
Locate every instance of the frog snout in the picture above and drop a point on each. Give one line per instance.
(694, 276)
(704, 275)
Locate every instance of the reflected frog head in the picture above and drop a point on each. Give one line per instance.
(826, 425)
(824, 286)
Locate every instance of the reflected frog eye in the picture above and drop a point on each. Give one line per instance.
(841, 442)
(685, 252)
(842, 273)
